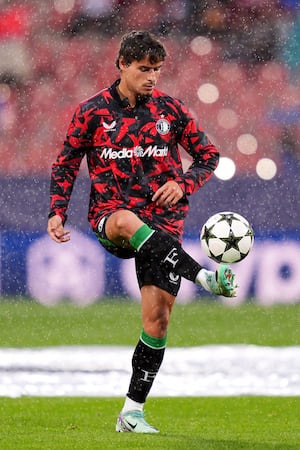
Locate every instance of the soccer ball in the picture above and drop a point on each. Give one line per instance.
(227, 237)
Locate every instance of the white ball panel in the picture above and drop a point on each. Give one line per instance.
(212, 220)
(239, 228)
(216, 246)
(231, 256)
(221, 229)
(245, 244)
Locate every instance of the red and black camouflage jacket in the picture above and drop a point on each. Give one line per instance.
(130, 153)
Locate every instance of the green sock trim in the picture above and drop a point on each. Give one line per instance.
(140, 236)
(153, 342)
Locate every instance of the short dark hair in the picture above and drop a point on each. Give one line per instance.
(137, 45)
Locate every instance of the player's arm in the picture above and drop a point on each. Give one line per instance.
(64, 173)
(204, 153)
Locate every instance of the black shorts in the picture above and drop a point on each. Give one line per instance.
(147, 272)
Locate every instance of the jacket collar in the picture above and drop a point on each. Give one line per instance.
(124, 103)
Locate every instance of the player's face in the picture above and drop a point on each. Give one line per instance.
(139, 77)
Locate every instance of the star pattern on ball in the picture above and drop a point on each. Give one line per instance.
(207, 233)
(228, 217)
(232, 241)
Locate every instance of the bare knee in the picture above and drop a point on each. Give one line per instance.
(122, 225)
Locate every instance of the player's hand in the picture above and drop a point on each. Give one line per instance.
(56, 230)
(168, 194)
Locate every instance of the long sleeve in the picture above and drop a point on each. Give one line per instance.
(67, 164)
(205, 157)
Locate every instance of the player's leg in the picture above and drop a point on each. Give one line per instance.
(147, 358)
(126, 229)
(156, 310)
(121, 225)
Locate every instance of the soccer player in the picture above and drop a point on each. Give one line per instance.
(130, 133)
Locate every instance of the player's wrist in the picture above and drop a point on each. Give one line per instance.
(57, 213)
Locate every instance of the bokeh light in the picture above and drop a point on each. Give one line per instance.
(64, 6)
(208, 93)
(247, 144)
(201, 45)
(226, 168)
(227, 118)
(266, 168)
(5, 93)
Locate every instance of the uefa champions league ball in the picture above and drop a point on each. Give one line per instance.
(227, 237)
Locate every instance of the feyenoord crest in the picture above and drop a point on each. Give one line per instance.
(163, 126)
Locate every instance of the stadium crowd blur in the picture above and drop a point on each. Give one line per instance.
(236, 65)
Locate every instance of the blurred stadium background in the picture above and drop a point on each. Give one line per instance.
(235, 64)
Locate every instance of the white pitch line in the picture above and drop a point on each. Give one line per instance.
(104, 371)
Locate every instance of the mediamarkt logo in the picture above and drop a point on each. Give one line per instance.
(151, 150)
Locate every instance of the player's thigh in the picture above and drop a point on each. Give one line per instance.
(121, 225)
(121, 251)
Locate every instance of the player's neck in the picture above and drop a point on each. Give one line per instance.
(124, 93)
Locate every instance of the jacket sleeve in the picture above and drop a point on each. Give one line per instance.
(67, 164)
(203, 152)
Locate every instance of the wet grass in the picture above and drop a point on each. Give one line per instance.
(231, 423)
(28, 324)
(191, 423)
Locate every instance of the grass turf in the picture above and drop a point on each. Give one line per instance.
(185, 423)
(189, 423)
(28, 324)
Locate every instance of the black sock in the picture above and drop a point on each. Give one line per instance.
(146, 362)
(164, 249)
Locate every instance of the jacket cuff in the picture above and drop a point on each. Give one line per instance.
(57, 213)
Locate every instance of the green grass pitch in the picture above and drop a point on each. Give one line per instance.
(185, 423)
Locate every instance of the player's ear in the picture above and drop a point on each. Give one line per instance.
(122, 64)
